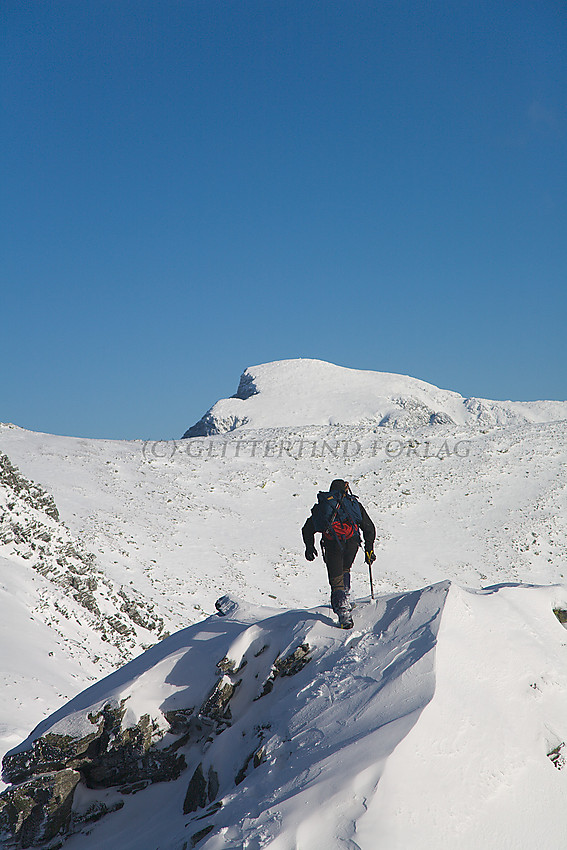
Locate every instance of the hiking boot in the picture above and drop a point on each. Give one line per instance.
(342, 608)
(346, 583)
(338, 600)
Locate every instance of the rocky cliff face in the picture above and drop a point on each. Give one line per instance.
(39, 808)
(32, 536)
(111, 752)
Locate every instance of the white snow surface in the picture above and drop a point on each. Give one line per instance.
(314, 392)
(425, 728)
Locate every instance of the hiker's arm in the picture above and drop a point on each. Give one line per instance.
(308, 534)
(368, 530)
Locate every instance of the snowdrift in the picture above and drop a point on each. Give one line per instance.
(439, 721)
(295, 393)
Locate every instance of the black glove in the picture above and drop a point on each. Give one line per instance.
(311, 553)
(369, 556)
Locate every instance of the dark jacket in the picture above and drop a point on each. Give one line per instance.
(366, 526)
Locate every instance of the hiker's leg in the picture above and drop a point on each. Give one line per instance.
(349, 554)
(334, 562)
(335, 570)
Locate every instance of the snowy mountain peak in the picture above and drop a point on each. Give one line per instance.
(296, 393)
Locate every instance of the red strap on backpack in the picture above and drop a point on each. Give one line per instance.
(342, 530)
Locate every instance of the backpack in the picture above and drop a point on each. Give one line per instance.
(337, 516)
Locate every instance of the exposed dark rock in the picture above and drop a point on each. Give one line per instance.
(227, 665)
(95, 812)
(561, 615)
(241, 775)
(49, 753)
(196, 796)
(292, 664)
(259, 756)
(125, 757)
(31, 493)
(212, 785)
(268, 685)
(38, 810)
(256, 757)
(557, 756)
(30, 525)
(440, 418)
(115, 623)
(141, 612)
(246, 387)
(198, 836)
(87, 600)
(211, 423)
(125, 767)
(288, 666)
(134, 787)
(225, 606)
(109, 756)
(179, 719)
(216, 706)
(106, 755)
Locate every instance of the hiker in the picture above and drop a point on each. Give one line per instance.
(338, 515)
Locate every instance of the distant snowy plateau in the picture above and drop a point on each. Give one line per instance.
(136, 715)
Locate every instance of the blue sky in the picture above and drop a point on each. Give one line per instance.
(190, 188)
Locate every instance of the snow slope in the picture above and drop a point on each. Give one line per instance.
(182, 530)
(177, 524)
(313, 392)
(58, 611)
(431, 725)
(480, 767)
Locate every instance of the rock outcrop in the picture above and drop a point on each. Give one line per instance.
(38, 810)
(39, 806)
(112, 752)
(32, 533)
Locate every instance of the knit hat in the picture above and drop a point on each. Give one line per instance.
(338, 485)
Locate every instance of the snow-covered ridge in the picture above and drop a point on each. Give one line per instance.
(293, 393)
(195, 519)
(440, 718)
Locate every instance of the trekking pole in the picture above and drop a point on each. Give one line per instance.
(370, 574)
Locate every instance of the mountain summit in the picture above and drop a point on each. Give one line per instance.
(295, 393)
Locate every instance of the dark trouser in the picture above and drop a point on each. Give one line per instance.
(339, 560)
